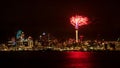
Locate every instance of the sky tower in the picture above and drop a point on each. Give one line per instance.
(78, 21)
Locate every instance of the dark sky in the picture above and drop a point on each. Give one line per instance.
(37, 16)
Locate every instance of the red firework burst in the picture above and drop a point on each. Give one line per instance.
(78, 21)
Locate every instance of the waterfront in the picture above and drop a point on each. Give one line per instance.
(62, 46)
(48, 42)
(57, 59)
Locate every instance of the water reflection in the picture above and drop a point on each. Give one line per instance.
(78, 60)
(78, 55)
(61, 59)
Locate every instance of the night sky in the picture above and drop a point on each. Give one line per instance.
(37, 16)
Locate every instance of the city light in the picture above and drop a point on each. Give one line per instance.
(78, 21)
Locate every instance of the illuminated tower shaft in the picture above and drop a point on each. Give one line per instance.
(76, 35)
(76, 31)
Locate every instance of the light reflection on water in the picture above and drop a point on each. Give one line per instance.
(51, 59)
(78, 55)
(78, 60)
